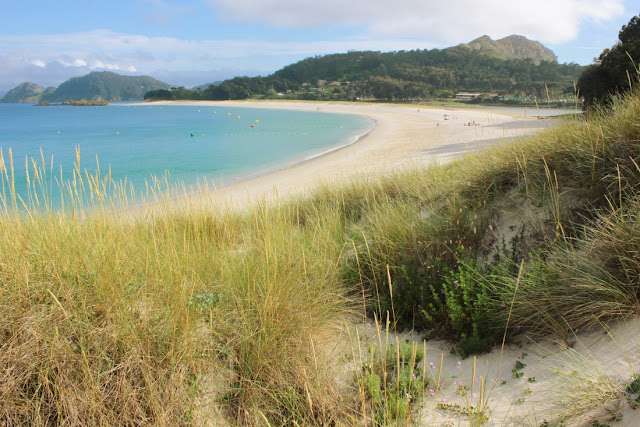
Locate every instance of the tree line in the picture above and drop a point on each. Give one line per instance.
(395, 76)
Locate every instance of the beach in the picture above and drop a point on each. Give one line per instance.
(403, 136)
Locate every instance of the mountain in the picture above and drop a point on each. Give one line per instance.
(511, 47)
(514, 68)
(96, 86)
(26, 92)
(105, 86)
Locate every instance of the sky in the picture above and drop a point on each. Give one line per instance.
(192, 42)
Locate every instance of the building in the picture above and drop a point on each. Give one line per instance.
(467, 95)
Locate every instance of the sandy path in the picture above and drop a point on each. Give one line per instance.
(403, 135)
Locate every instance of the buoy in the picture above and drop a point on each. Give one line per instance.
(238, 116)
(198, 111)
(58, 132)
(192, 134)
(117, 133)
(215, 112)
(228, 114)
(253, 126)
(257, 121)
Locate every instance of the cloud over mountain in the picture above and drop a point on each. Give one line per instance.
(440, 21)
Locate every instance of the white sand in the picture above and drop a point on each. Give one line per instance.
(403, 135)
(583, 382)
(579, 381)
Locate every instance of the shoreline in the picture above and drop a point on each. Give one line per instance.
(293, 163)
(402, 136)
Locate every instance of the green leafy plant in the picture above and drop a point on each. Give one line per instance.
(632, 391)
(518, 366)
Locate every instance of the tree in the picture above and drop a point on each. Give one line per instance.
(616, 69)
(159, 94)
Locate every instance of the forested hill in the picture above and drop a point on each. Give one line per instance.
(105, 86)
(26, 92)
(95, 86)
(513, 66)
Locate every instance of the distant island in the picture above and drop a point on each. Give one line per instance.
(82, 103)
(93, 87)
(26, 92)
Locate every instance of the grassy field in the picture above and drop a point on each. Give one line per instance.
(203, 316)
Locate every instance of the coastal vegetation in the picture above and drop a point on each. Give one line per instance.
(190, 315)
(615, 69)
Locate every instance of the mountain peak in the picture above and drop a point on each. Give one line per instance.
(512, 47)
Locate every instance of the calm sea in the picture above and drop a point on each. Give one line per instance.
(188, 142)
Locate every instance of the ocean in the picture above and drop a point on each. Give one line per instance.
(184, 143)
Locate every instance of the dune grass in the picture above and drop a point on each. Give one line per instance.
(205, 314)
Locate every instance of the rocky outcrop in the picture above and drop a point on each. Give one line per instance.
(512, 47)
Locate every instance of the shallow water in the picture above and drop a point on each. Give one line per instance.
(189, 143)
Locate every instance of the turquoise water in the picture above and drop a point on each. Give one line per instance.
(188, 142)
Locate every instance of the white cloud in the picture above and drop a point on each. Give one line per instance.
(69, 62)
(38, 63)
(108, 50)
(439, 21)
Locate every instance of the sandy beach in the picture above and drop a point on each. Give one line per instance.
(403, 136)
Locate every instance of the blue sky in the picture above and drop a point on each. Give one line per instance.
(191, 42)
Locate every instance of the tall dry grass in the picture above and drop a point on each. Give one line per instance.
(113, 321)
